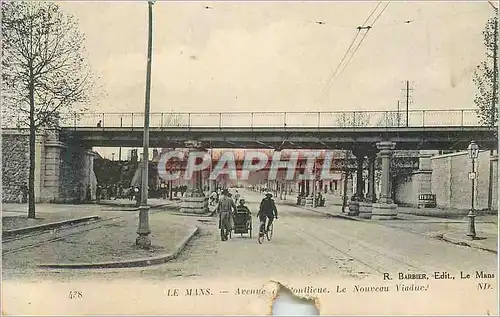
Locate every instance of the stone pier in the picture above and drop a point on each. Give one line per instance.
(385, 208)
(366, 206)
(195, 201)
(359, 153)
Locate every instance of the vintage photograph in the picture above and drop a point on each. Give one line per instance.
(190, 157)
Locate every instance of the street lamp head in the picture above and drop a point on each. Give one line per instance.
(473, 150)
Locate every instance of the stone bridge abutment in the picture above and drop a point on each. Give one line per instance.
(64, 171)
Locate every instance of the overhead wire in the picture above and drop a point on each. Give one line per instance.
(349, 49)
(362, 39)
(373, 11)
(336, 71)
(396, 23)
(342, 60)
(491, 4)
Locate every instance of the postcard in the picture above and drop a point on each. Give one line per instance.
(224, 158)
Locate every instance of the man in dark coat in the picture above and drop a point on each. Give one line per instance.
(267, 210)
(226, 209)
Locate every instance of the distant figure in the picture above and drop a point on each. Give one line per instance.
(98, 193)
(88, 193)
(20, 196)
(236, 197)
(99, 124)
(214, 198)
(137, 196)
(120, 191)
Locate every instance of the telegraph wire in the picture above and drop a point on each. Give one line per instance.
(378, 16)
(355, 50)
(368, 28)
(373, 11)
(342, 60)
(396, 23)
(491, 4)
(349, 48)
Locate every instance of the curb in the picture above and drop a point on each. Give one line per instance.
(128, 263)
(469, 244)
(8, 233)
(331, 214)
(134, 206)
(443, 237)
(204, 215)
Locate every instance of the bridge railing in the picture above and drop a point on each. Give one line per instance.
(353, 119)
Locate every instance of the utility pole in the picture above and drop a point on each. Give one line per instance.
(493, 111)
(495, 75)
(407, 100)
(398, 115)
(143, 232)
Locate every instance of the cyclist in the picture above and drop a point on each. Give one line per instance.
(267, 210)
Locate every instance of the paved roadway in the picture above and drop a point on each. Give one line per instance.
(305, 243)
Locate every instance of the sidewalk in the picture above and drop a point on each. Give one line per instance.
(452, 230)
(153, 202)
(110, 244)
(14, 216)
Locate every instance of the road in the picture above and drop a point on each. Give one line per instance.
(305, 244)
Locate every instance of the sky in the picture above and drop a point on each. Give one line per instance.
(274, 56)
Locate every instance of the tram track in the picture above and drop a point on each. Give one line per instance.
(388, 258)
(69, 230)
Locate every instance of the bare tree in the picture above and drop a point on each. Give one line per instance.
(352, 119)
(44, 72)
(390, 119)
(173, 120)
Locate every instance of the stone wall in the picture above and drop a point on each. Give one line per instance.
(15, 165)
(405, 191)
(452, 186)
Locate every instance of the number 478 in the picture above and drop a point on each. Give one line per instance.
(75, 295)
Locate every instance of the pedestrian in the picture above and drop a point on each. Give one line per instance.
(236, 197)
(137, 196)
(99, 124)
(20, 195)
(226, 208)
(213, 198)
(98, 193)
(88, 193)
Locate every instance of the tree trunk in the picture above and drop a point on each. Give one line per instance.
(31, 181)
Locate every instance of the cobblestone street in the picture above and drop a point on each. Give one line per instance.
(305, 244)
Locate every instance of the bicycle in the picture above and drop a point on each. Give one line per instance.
(267, 233)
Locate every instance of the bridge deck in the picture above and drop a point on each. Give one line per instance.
(442, 137)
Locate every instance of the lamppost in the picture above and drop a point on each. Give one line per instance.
(143, 239)
(473, 150)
